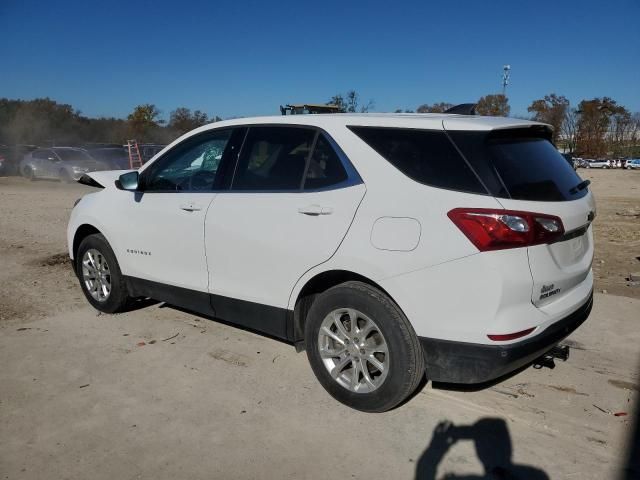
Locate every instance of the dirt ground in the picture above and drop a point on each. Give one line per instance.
(82, 397)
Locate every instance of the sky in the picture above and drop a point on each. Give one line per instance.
(244, 58)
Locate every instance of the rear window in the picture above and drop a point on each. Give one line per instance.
(426, 156)
(520, 164)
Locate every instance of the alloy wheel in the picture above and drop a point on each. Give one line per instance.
(96, 275)
(353, 350)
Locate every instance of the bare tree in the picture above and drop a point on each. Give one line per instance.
(569, 129)
(350, 102)
(551, 109)
(593, 124)
(620, 131)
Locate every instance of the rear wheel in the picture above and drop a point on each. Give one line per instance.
(99, 274)
(362, 348)
(27, 172)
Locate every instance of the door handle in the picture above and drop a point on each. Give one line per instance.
(190, 207)
(315, 210)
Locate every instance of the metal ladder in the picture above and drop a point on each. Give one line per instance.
(135, 160)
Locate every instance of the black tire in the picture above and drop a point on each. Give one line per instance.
(27, 172)
(65, 177)
(406, 361)
(118, 299)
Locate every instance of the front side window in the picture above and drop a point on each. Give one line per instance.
(42, 154)
(273, 158)
(190, 166)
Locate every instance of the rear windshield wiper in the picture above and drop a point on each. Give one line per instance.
(581, 186)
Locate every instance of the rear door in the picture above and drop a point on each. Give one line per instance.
(291, 202)
(51, 164)
(529, 174)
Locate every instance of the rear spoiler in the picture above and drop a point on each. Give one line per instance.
(463, 109)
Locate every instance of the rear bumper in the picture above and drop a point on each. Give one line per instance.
(469, 363)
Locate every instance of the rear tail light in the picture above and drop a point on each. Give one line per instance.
(493, 229)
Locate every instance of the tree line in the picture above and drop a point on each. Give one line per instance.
(597, 127)
(46, 122)
(593, 128)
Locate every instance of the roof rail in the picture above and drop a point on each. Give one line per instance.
(463, 109)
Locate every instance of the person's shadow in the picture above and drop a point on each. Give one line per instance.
(493, 448)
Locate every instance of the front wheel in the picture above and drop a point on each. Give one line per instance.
(99, 273)
(362, 348)
(64, 176)
(28, 173)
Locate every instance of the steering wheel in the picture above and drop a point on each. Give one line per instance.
(202, 180)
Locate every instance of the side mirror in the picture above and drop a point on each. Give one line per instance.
(128, 181)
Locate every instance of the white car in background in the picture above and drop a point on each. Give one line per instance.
(387, 246)
(633, 164)
(598, 164)
(66, 164)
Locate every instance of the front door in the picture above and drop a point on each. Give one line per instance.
(290, 205)
(163, 224)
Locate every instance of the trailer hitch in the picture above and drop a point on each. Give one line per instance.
(559, 352)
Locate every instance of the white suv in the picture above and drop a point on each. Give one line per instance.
(387, 246)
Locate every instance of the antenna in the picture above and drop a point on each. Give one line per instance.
(506, 74)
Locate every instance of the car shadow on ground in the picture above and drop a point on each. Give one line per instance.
(493, 446)
(631, 469)
(139, 304)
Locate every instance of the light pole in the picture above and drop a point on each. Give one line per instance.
(506, 73)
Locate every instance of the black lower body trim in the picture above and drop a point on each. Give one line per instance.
(470, 363)
(266, 319)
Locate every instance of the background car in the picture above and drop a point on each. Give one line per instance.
(570, 160)
(148, 151)
(3, 159)
(10, 157)
(633, 164)
(598, 164)
(115, 157)
(62, 163)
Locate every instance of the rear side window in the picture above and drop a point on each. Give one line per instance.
(43, 154)
(426, 156)
(273, 158)
(524, 165)
(73, 155)
(325, 168)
